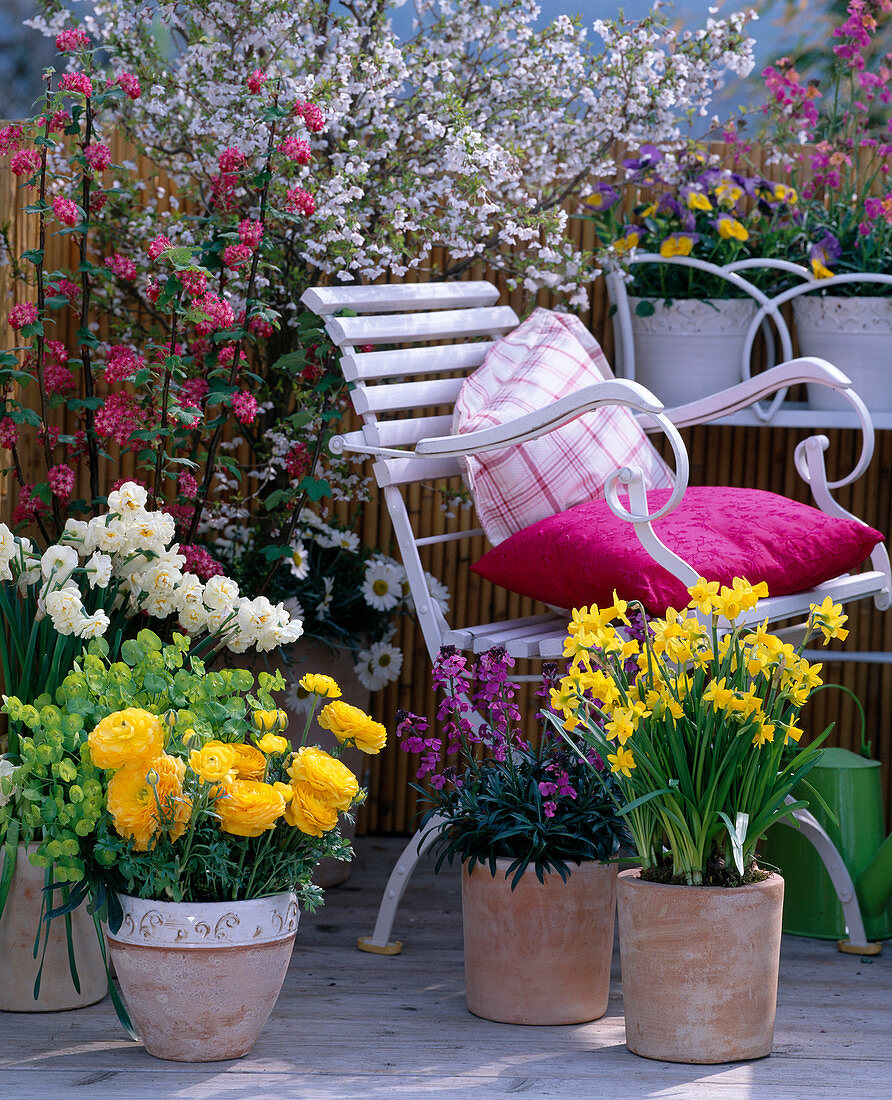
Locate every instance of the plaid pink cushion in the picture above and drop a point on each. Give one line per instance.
(547, 357)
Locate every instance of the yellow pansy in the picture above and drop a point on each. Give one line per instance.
(819, 270)
(728, 194)
(783, 193)
(696, 200)
(677, 244)
(731, 229)
(627, 242)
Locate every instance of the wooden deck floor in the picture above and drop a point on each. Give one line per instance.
(356, 1025)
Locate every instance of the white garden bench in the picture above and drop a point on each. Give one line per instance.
(436, 333)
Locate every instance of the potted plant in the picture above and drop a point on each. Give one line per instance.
(697, 723)
(199, 828)
(533, 829)
(844, 232)
(687, 203)
(95, 583)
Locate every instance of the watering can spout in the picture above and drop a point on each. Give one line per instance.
(874, 884)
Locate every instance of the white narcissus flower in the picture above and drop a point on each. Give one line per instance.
(109, 536)
(149, 531)
(127, 501)
(75, 534)
(193, 618)
(92, 626)
(8, 550)
(66, 609)
(299, 561)
(7, 769)
(58, 563)
(28, 565)
(220, 593)
(191, 593)
(99, 570)
(382, 585)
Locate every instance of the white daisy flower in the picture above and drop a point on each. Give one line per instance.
(347, 540)
(379, 665)
(382, 586)
(440, 594)
(324, 604)
(299, 561)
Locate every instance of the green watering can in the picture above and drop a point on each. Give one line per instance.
(850, 786)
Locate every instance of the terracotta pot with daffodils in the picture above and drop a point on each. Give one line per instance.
(200, 848)
(696, 717)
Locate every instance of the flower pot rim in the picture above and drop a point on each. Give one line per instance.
(504, 862)
(632, 877)
(212, 924)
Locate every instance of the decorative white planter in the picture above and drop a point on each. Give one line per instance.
(854, 334)
(200, 979)
(691, 348)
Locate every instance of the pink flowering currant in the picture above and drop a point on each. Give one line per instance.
(244, 407)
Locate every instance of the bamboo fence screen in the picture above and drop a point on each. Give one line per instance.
(759, 457)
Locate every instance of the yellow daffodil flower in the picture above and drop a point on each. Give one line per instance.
(621, 761)
(828, 617)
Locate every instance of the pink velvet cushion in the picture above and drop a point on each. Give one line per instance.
(580, 556)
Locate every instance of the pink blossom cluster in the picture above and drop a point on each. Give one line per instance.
(250, 232)
(255, 81)
(153, 291)
(122, 266)
(200, 562)
(260, 326)
(98, 156)
(122, 363)
(48, 437)
(300, 201)
(24, 162)
(879, 208)
(195, 283)
(311, 115)
(796, 101)
(187, 486)
(297, 461)
(295, 149)
(25, 313)
(193, 392)
(72, 40)
(226, 355)
(66, 211)
(64, 288)
(61, 481)
(237, 255)
(128, 83)
(9, 433)
(118, 417)
(56, 375)
(231, 160)
(219, 311)
(78, 83)
(10, 137)
(244, 407)
(158, 245)
(28, 506)
(58, 121)
(858, 29)
(98, 199)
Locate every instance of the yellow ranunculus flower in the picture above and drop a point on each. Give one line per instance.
(125, 737)
(250, 763)
(317, 684)
(249, 808)
(213, 761)
(133, 801)
(349, 723)
(271, 742)
(309, 811)
(334, 780)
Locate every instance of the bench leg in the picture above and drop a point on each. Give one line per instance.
(813, 831)
(380, 943)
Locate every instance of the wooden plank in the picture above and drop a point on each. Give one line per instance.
(447, 324)
(387, 297)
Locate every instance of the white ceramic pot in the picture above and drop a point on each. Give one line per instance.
(691, 348)
(18, 967)
(854, 334)
(201, 979)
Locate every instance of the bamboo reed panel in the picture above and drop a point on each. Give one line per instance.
(760, 457)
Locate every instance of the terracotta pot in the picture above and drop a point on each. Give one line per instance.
(200, 979)
(18, 967)
(699, 967)
(539, 954)
(692, 347)
(309, 655)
